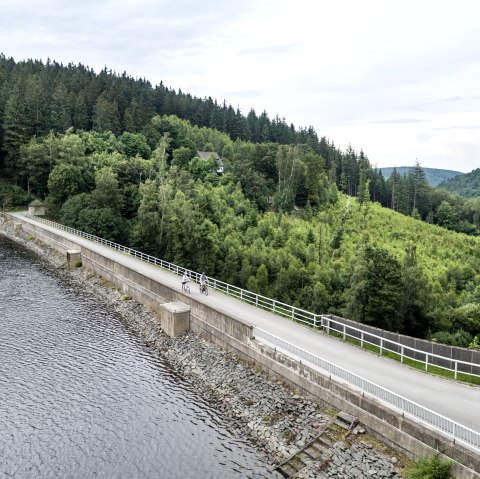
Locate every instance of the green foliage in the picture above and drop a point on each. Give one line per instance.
(375, 290)
(311, 246)
(135, 144)
(112, 113)
(104, 223)
(106, 193)
(181, 156)
(459, 338)
(72, 208)
(416, 296)
(203, 169)
(64, 181)
(467, 185)
(11, 195)
(475, 344)
(429, 468)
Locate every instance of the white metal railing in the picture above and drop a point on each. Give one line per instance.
(263, 302)
(454, 430)
(402, 350)
(307, 318)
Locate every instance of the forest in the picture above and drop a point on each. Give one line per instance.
(434, 176)
(292, 217)
(467, 185)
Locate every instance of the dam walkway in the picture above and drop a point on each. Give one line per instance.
(454, 400)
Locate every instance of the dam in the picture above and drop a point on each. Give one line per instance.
(214, 318)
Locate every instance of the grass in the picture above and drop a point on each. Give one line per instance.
(429, 468)
(431, 369)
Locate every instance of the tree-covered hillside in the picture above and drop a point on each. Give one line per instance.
(335, 254)
(39, 99)
(434, 176)
(299, 221)
(467, 185)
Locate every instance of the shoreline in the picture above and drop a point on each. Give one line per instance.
(274, 420)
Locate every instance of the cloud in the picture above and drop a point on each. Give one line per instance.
(458, 127)
(400, 121)
(268, 51)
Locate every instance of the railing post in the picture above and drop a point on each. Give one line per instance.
(256, 300)
(273, 309)
(426, 362)
(361, 339)
(381, 346)
(456, 369)
(314, 321)
(401, 354)
(344, 331)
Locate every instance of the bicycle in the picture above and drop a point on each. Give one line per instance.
(204, 289)
(186, 288)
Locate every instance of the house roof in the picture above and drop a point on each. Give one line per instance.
(205, 155)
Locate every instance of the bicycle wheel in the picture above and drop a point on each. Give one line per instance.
(187, 289)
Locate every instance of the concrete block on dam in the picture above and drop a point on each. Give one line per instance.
(175, 318)
(73, 258)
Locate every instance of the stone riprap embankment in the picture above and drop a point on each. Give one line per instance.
(276, 420)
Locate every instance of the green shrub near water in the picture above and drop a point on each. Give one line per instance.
(429, 468)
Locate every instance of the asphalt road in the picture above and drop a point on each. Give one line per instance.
(456, 401)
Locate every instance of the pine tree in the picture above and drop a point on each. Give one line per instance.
(418, 182)
(16, 125)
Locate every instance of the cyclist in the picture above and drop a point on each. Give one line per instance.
(203, 281)
(185, 280)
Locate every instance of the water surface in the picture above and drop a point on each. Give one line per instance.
(82, 397)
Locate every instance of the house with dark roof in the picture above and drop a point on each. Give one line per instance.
(205, 155)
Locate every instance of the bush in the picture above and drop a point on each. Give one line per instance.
(11, 195)
(429, 468)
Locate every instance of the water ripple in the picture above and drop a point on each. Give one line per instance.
(81, 397)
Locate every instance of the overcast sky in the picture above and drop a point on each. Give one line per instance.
(399, 79)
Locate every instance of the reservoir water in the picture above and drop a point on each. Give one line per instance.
(82, 397)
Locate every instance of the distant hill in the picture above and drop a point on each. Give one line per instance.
(467, 185)
(434, 175)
